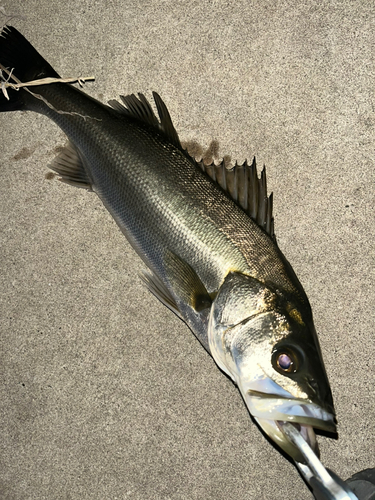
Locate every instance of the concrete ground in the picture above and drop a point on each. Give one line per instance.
(105, 394)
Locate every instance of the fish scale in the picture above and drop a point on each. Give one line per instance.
(205, 234)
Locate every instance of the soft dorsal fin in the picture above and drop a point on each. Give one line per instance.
(166, 121)
(243, 185)
(140, 109)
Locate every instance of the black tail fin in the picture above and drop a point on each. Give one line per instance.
(17, 54)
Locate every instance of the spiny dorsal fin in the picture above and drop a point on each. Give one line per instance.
(69, 165)
(246, 189)
(140, 109)
(241, 182)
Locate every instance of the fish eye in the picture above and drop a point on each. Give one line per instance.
(285, 361)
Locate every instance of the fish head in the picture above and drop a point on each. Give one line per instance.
(265, 340)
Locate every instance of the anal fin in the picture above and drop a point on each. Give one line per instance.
(70, 166)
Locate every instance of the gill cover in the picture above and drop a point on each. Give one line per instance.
(268, 346)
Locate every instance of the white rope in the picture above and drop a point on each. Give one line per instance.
(6, 83)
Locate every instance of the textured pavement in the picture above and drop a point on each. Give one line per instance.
(105, 394)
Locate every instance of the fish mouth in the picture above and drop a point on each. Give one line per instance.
(270, 411)
(297, 411)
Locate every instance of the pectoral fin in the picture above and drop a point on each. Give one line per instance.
(185, 294)
(186, 283)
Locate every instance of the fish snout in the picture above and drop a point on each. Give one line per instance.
(271, 410)
(320, 394)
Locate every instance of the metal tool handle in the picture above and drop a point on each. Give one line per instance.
(325, 484)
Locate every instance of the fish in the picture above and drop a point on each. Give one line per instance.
(204, 232)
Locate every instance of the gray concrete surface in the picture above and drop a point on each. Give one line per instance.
(105, 394)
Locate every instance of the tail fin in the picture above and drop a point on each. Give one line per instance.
(17, 54)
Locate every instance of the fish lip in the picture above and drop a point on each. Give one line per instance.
(275, 431)
(311, 414)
